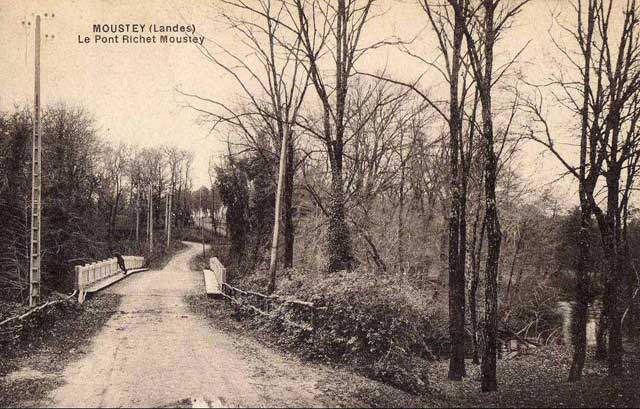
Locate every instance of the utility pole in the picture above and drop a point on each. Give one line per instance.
(150, 218)
(36, 185)
(166, 218)
(276, 220)
(169, 205)
(213, 210)
(204, 255)
(138, 215)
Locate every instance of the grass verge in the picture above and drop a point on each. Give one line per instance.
(538, 378)
(29, 367)
(346, 387)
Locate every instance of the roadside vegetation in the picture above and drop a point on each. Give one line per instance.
(32, 357)
(376, 328)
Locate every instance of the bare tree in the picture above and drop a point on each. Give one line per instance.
(114, 161)
(136, 186)
(175, 160)
(152, 179)
(375, 158)
(447, 20)
(489, 19)
(330, 35)
(274, 84)
(606, 101)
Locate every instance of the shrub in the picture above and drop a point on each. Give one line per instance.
(369, 322)
(535, 310)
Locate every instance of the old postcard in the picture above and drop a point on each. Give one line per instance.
(319, 203)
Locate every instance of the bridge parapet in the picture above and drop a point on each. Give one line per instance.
(133, 262)
(90, 275)
(214, 277)
(218, 269)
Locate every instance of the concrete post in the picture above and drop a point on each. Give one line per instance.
(78, 278)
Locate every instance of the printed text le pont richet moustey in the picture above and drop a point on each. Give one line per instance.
(142, 34)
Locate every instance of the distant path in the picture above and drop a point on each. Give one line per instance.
(154, 352)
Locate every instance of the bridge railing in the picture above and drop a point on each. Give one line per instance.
(88, 274)
(300, 314)
(219, 271)
(133, 262)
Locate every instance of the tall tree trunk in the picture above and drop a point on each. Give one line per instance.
(278, 211)
(494, 238)
(113, 214)
(214, 223)
(400, 250)
(179, 218)
(601, 335)
(289, 232)
(339, 238)
(166, 219)
(582, 291)
(628, 274)
(137, 216)
(634, 305)
(585, 191)
(489, 380)
(169, 211)
(150, 230)
(456, 252)
(612, 284)
(610, 345)
(476, 253)
(110, 228)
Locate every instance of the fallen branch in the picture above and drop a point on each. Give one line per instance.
(522, 340)
(633, 297)
(272, 297)
(37, 308)
(297, 302)
(255, 309)
(552, 334)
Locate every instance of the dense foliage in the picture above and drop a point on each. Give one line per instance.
(95, 197)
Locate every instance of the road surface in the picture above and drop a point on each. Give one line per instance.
(154, 352)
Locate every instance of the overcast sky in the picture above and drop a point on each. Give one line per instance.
(130, 89)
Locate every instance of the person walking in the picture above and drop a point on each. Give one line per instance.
(121, 264)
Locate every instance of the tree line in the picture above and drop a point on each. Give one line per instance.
(96, 196)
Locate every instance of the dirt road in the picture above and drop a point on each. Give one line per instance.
(155, 353)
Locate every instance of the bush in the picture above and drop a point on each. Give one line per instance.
(535, 310)
(373, 324)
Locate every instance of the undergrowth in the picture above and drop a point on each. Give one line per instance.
(384, 330)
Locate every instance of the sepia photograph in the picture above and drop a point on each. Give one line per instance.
(319, 203)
